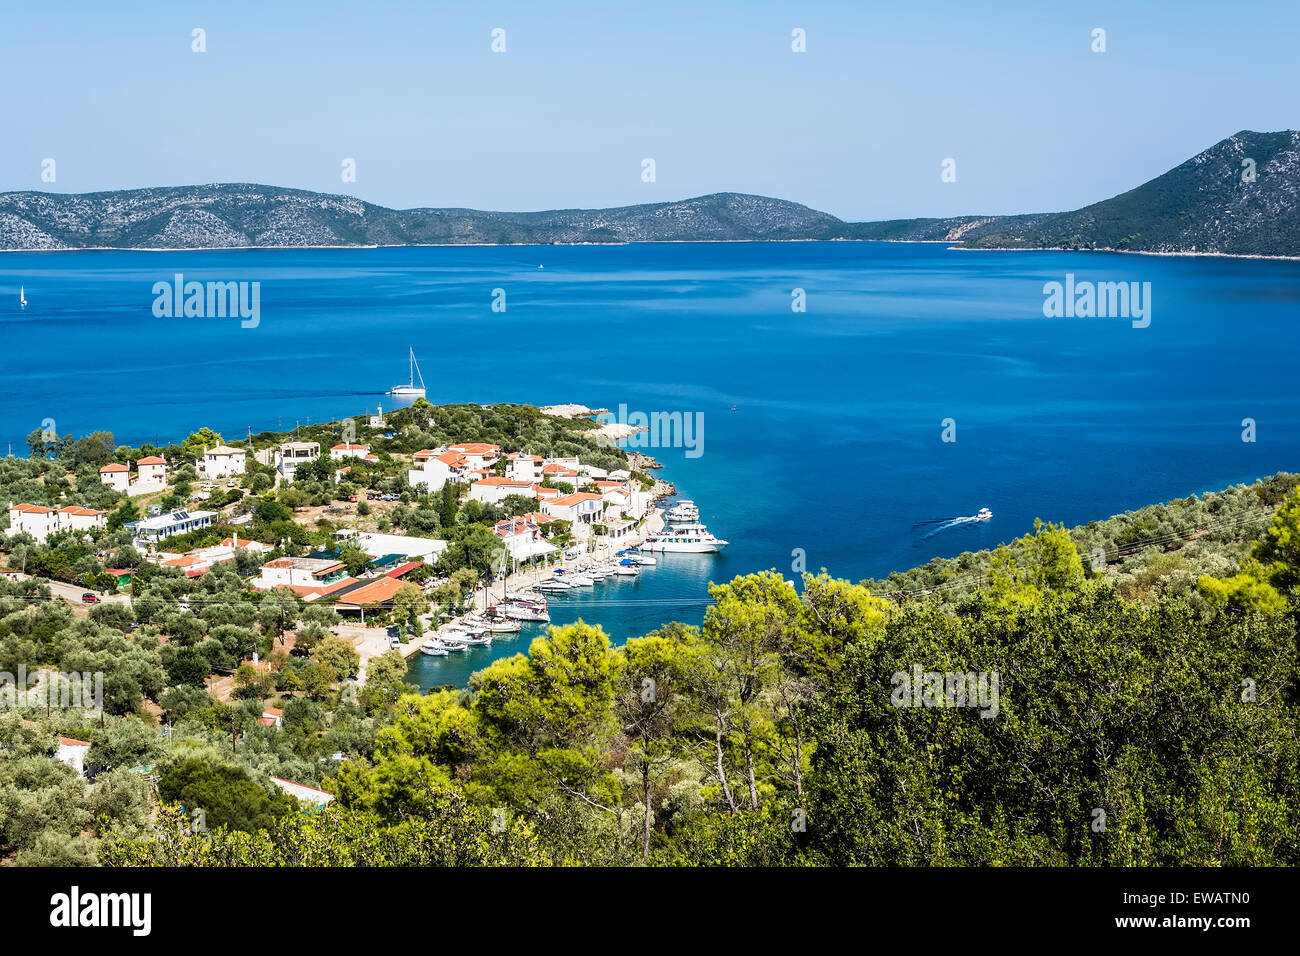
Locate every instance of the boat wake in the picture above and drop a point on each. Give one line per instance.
(937, 525)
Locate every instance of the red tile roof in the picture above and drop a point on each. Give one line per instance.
(151, 460)
(116, 466)
(403, 569)
(375, 592)
(573, 499)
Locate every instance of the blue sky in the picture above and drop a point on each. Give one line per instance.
(857, 126)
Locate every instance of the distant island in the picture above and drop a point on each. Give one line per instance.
(1239, 197)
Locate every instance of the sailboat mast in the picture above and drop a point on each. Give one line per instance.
(416, 366)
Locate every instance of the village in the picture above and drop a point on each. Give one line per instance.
(359, 533)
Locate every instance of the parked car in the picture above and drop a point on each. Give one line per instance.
(352, 498)
(299, 652)
(394, 643)
(89, 598)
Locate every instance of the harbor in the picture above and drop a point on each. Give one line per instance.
(620, 585)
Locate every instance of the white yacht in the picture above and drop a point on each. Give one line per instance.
(688, 538)
(526, 611)
(683, 511)
(454, 639)
(626, 570)
(554, 585)
(411, 389)
(983, 514)
(434, 648)
(22, 297)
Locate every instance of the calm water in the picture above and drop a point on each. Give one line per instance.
(834, 443)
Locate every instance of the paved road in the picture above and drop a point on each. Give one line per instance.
(72, 593)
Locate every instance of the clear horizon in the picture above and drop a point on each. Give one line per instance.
(857, 126)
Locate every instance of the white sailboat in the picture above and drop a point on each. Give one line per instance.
(416, 391)
(22, 297)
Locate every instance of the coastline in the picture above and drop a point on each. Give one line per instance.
(650, 242)
(1130, 252)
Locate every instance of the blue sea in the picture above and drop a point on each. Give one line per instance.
(822, 429)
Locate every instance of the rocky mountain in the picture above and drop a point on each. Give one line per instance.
(236, 215)
(1240, 197)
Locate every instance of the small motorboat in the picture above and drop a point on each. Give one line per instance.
(454, 640)
(434, 648)
(526, 611)
(575, 579)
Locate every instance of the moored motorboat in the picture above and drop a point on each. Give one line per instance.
(526, 611)
(575, 579)
(434, 648)
(686, 538)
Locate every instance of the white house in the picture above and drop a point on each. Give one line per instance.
(617, 500)
(435, 469)
(293, 454)
(151, 471)
(580, 508)
(77, 518)
(36, 520)
(348, 450)
(494, 489)
(116, 475)
(524, 467)
(73, 753)
(300, 573)
(221, 462)
(152, 530)
(41, 522)
(478, 454)
(522, 536)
